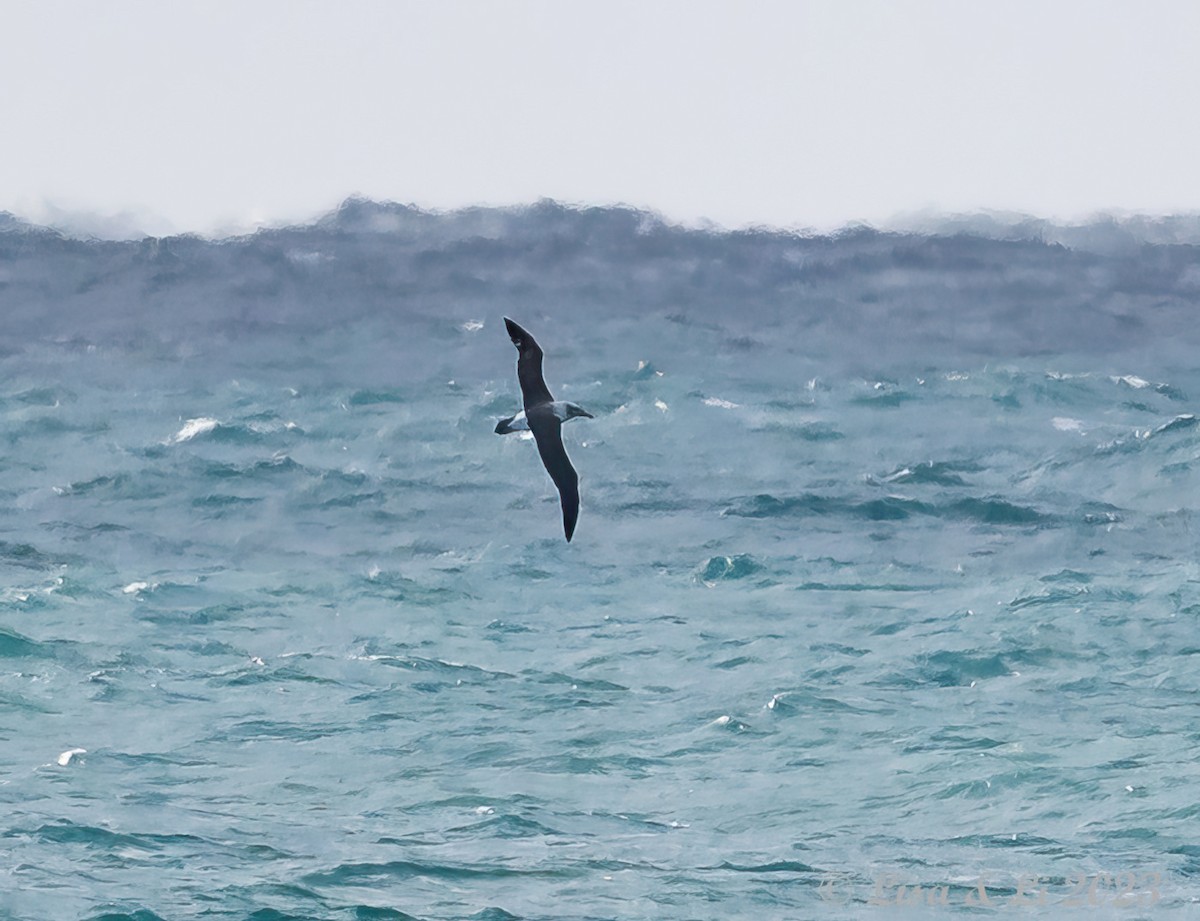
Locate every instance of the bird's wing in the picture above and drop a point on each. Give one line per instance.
(529, 366)
(547, 430)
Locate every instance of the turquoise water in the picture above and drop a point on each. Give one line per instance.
(287, 632)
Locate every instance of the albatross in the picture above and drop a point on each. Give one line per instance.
(544, 416)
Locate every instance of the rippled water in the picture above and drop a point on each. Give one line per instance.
(281, 638)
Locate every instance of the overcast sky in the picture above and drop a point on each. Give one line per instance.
(202, 115)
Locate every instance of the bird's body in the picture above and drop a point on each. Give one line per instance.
(544, 417)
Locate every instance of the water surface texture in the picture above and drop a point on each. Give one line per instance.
(883, 600)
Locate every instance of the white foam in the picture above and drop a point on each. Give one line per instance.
(472, 326)
(660, 406)
(192, 428)
(1067, 424)
(65, 758)
(1178, 420)
(721, 404)
(1131, 380)
(134, 588)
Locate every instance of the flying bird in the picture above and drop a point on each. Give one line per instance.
(544, 416)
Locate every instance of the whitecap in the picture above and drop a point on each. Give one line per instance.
(192, 428)
(1185, 420)
(134, 588)
(472, 326)
(660, 406)
(65, 758)
(722, 404)
(1131, 380)
(1067, 424)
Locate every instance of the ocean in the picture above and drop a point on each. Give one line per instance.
(882, 601)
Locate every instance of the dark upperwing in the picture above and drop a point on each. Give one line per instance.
(547, 430)
(529, 368)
